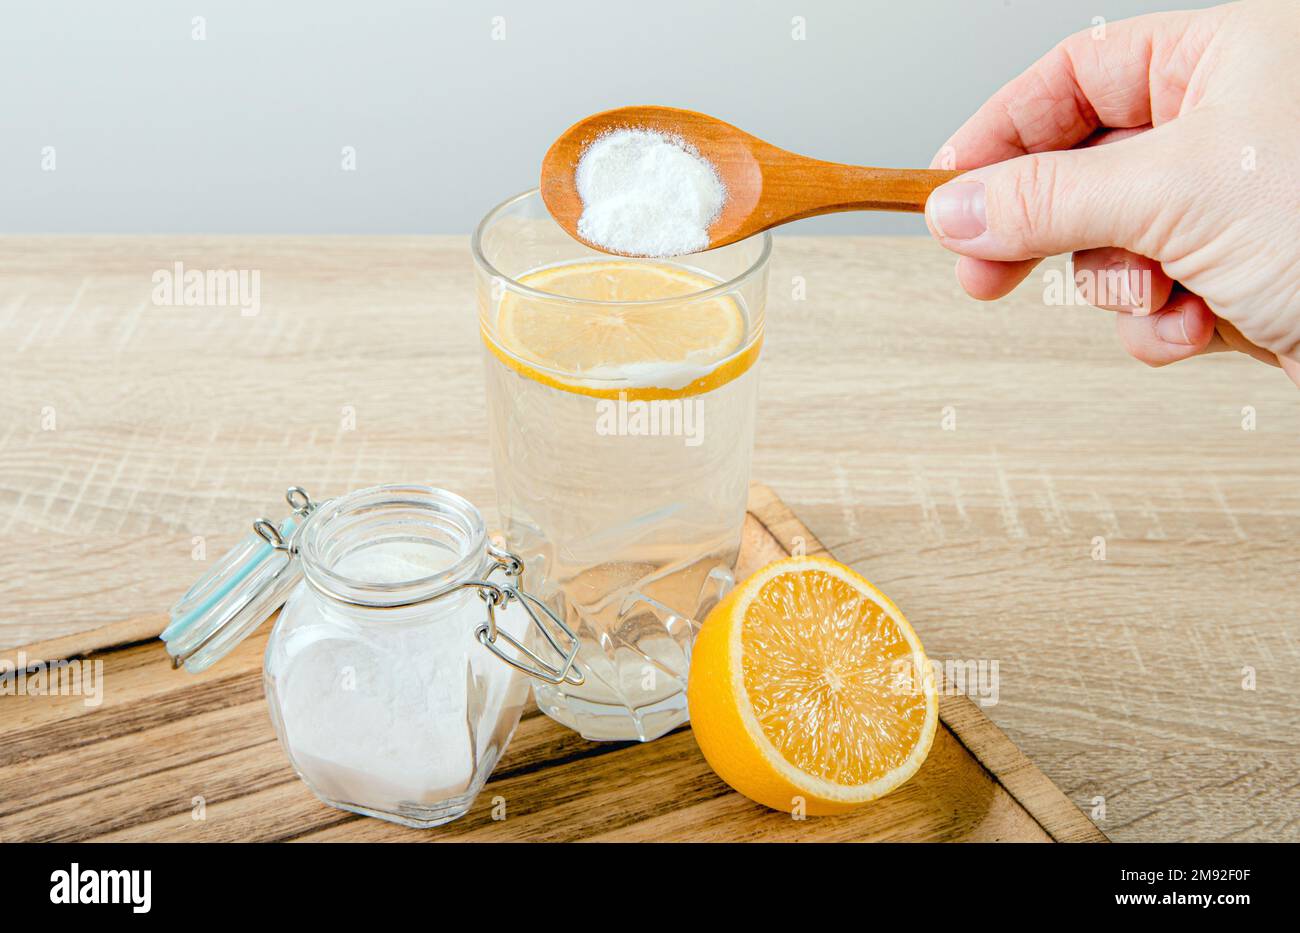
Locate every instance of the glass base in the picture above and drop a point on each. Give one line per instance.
(414, 817)
(599, 722)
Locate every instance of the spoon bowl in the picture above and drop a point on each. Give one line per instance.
(766, 186)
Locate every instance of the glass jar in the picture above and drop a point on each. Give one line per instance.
(379, 685)
(622, 486)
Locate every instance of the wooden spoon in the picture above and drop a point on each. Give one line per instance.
(766, 186)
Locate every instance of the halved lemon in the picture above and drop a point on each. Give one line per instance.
(666, 349)
(808, 687)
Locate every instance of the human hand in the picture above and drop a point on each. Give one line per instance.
(1197, 183)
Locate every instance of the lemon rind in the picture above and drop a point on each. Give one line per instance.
(728, 370)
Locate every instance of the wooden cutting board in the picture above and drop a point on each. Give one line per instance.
(173, 756)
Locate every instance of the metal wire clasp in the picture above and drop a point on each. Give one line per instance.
(302, 506)
(497, 596)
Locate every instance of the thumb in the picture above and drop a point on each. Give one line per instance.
(1055, 202)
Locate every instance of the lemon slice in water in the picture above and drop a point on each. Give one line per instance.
(665, 349)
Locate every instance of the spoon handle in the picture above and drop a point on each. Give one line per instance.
(828, 187)
(897, 189)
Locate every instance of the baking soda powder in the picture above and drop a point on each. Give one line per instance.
(401, 713)
(647, 194)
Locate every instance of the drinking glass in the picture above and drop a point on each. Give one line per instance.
(622, 485)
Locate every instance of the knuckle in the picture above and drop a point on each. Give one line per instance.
(1034, 188)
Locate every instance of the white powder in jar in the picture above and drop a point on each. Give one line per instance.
(389, 715)
(647, 194)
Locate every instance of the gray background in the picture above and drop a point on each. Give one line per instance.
(244, 131)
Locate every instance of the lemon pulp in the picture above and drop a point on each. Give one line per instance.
(649, 345)
(809, 690)
(829, 675)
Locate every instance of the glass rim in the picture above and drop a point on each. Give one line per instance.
(704, 294)
(472, 528)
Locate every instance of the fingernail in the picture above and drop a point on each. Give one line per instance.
(1133, 294)
(957, 210)
(1171, 329)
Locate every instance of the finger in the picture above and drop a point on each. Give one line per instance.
(1056, 202)
(1291, 368)
(1235, 340)
(1184, 327)
(1122, 74)
(1216, 345)
(988, 280)
(1227, 339)
(1117, 280)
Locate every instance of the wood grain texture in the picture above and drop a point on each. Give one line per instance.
(135, 766)
(1121, 678)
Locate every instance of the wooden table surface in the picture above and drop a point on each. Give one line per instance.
(176, 757)
(973, 460)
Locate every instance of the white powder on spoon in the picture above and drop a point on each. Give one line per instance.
(647, 194)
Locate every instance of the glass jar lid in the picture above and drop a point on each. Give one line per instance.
(243, 589)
